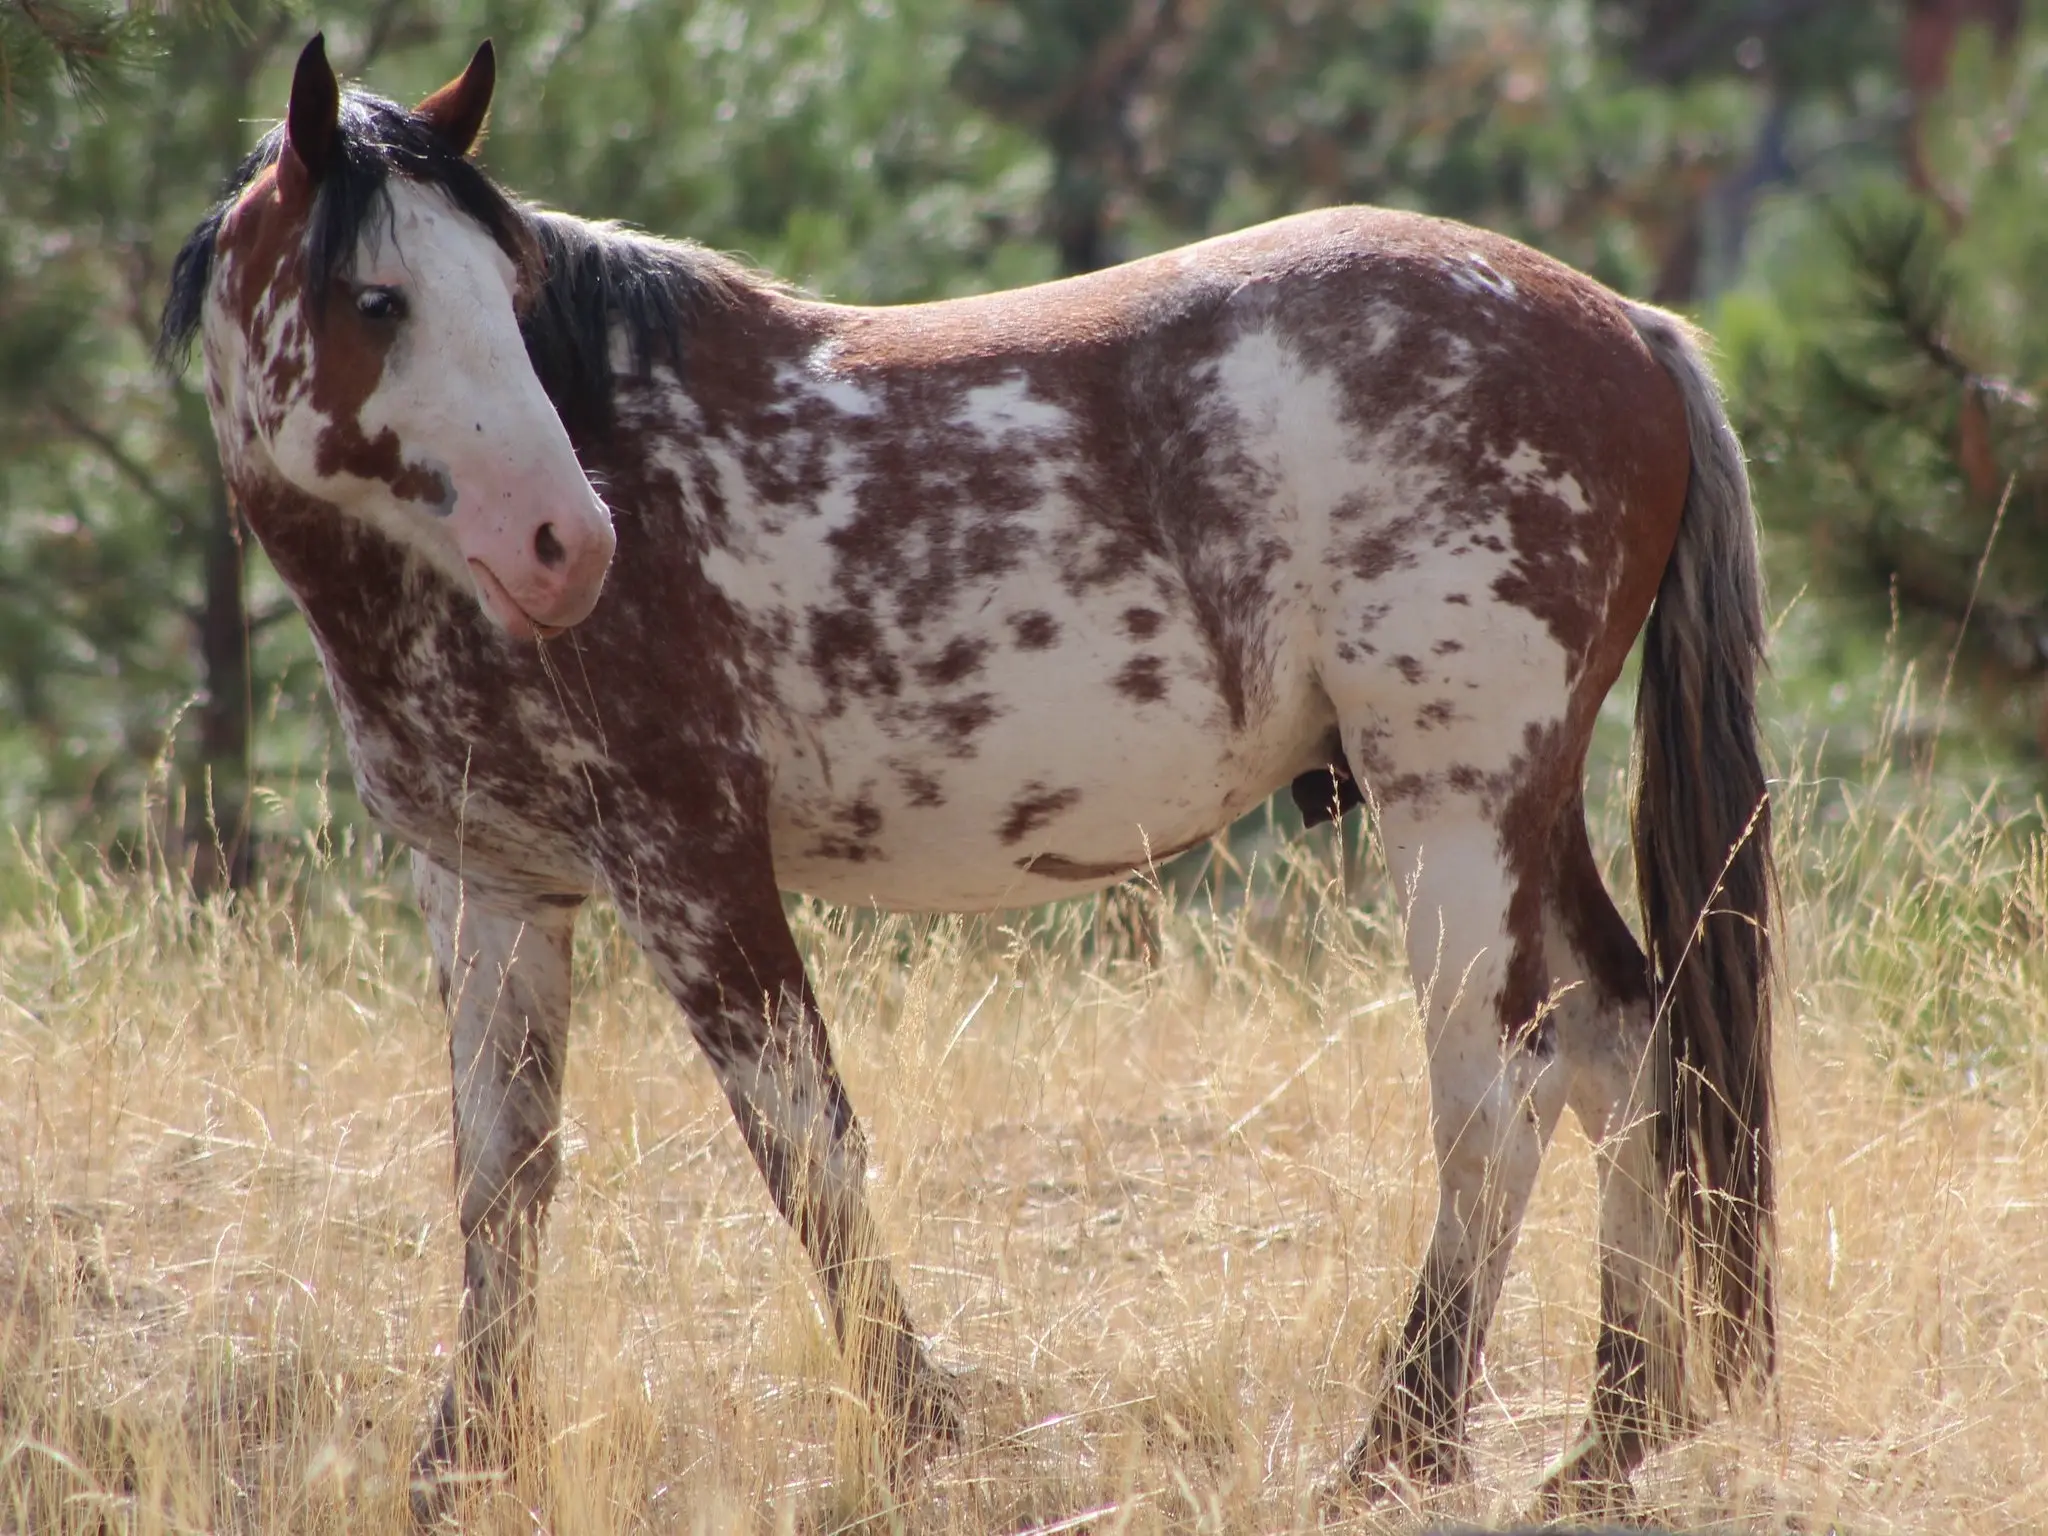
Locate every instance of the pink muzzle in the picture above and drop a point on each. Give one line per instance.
(538, 574)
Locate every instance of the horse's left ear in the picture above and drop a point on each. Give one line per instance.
(312, 130)
(456, 111)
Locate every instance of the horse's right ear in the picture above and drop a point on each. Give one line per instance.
(312, 124)
(457, 111)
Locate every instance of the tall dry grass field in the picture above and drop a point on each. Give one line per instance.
(1162, 1218)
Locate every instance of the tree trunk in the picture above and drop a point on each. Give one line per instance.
(217, 831)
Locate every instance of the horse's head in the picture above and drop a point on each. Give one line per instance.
(358, 297)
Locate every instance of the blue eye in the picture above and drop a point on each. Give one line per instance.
(383, 304)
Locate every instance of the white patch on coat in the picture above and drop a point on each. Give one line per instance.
(997, 411)
(849, 397)
(1525, 466)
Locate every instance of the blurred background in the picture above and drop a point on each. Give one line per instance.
(1849, 193)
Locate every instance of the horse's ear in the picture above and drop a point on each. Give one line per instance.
(312, 124)
(456, 112)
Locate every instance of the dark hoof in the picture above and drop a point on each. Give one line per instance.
(459, 1452)
(1578, 1499)
(1374, 1473)
(1591, 1483)
(933, 1413)
(919, 1404)
(432, 1494)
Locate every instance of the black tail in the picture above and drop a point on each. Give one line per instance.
(1703, 867)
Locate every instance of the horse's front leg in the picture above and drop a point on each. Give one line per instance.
(505, 977)
(726, 952)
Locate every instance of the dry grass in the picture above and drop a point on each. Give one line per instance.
(1162, 1219)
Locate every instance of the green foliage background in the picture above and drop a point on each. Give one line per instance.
(1845, 191)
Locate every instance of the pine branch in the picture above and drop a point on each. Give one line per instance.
(129, 467)
(84, 44)
(81, 45)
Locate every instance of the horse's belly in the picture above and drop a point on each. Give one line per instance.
(1066, 782)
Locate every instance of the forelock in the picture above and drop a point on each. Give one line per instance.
(376, 141)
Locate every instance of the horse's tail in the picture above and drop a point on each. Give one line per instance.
(1702, 823)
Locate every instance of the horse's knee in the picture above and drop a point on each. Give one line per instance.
(509, 1184)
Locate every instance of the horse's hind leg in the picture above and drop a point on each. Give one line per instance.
(1604, 1031)
(505, 977)
(1496, 1091)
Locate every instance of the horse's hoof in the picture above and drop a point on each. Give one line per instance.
(1590, 1483)
(935, 1414)
(1579, 1497)
(430, 1496)
(1371, 1475)
(918, 1402)
(1345, 1489)
(462, 1450)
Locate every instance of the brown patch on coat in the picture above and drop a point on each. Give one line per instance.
(1142, 623)
(960, 720)
(1142, 680)
(1033, 809)
(1152, 453)
(1558, 326)
(848, 657)
(1036, 630)
(853, 839)
(961, 659)
(922, 790)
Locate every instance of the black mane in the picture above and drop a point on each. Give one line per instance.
(598, 276)
(583, 278)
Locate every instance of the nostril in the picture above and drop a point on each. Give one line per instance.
(547, 548)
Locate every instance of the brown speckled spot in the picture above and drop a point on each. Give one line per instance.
(1036, 630)
(961, 659)
(960, 720)
(1033, 809)
(1142, 680)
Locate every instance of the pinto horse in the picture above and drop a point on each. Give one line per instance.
(980, 603)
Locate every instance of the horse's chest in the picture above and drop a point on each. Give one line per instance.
(468, 772)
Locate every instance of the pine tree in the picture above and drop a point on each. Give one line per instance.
(1889, 364)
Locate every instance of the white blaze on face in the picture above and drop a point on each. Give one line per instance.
(488, 487)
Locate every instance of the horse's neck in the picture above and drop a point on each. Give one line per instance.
(387, 625)
(351, 582)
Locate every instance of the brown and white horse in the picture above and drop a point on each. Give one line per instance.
(980, 603)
